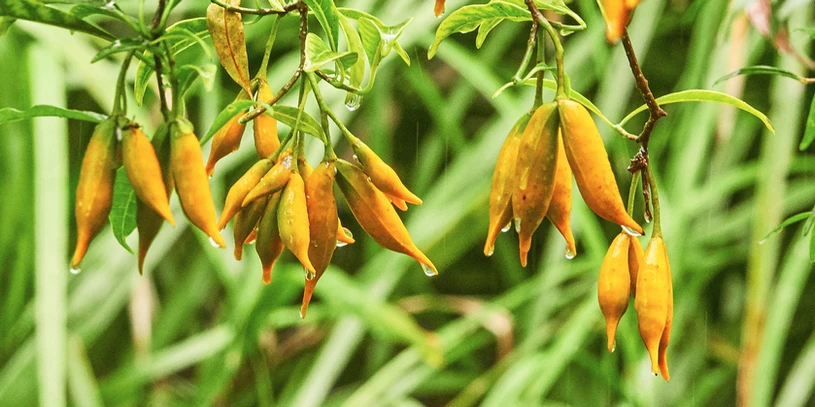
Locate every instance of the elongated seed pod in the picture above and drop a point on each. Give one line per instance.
(241, 188)
(617, 14)
(376, 215)
(148, 221)
(438, 9)
(265, 126)
(613, 286)
(651, 302)
(397, 202)
(269, 245)
(560, 208)
(272, 181)
(589, 163)
(535, 174)
(323, 223)
(225, 141)
(292, 221)
(665, 339)
(382, 175)
(191, 181)
(144, 171)
(245, 222)
(94, 192)
(503, 183)
(304, 168)
(635, 257)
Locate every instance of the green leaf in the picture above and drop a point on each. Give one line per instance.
(812, 245)
(809, 131)
(83, 10)
(699, 95)
(123, 209)
(370, 37)
(187, 75)
(224, 116)
(288, 116)
(181, 36)
(318, 54)
(789, 221)
(384, 319)
(40, 13)
(469, 18)
(760, 70)
(484, 30)
(123, 45)
(328, 16)
(5, 24)
(356, 70)
(10, 114)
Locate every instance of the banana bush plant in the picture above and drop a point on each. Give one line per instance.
(282, 201)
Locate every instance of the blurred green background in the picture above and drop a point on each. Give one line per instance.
(199, 328)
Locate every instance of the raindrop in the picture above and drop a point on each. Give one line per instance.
(570, 253)
(302, 316)
(490, 251)
(340, 243)
(287, 162)
(428, 271)
(369, 179)
(213, 242)
(250, 241)
(118, 134)
(353, 102)
(507, 227)
(347, 232)
(517, 225)
(310, 275)
(630, 231)
(356, 159)
(75, 270)
(613, 346)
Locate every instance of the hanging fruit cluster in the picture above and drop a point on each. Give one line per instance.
(557, 142)
(281, 201)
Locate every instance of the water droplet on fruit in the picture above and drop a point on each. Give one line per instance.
(353, 101)
(630, 231)
(570, 254)
(213, 242)
(428, 271)
(75, 270)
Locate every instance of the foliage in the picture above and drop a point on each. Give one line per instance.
(200, 328)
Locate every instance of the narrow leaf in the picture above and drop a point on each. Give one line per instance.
(468, 18)
(809, 132)
(789, 221)
(760, 70)
(10, 114)
(318, 54)
(123, 45)
(123, 209)
(226, 30)
(40, 13)
(699, 95)
(288, 116)
(371, 38)
(356, 70)
(328, 16)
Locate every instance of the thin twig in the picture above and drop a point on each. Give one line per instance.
(165, 109)
(303, 9)
(259, 11)
(654, 110)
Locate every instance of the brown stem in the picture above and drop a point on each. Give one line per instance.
(258, 11)
(655, 111)
(303, 9)
(165, 109)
